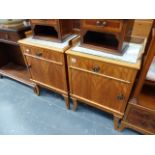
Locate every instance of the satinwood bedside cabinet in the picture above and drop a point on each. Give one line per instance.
(101, 82)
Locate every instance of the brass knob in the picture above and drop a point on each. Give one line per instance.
(98, 23)
(27, 50)
(120, 97)
(39, 54)
(96, 69)
(104, 23)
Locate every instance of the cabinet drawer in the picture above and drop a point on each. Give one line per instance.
(9, 36)
(42, 53)
(103, 24)
(103, 68)
(141, 118)
(44, 21)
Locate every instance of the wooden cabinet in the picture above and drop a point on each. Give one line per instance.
(140, 112)
(47, 64)
(12, 63)
(52, 29)
(100, 83)
(107, 35)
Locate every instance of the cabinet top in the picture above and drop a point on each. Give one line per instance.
(131, 58)
(59, 47)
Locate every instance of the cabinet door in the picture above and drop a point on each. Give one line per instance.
(79, 83)
(46, 72)
(104, 91)
(108, 92)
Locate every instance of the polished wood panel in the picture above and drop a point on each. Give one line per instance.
(42, 53)
(99, 67)
(47, 72)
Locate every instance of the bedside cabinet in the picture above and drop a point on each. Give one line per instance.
(107, 35)
(47, 65)
(101, 82)
(52, 29)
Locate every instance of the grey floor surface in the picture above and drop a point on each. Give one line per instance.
(24, 113)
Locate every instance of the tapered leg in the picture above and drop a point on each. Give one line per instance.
(36, 90)
(66, 98)
(116, 122)
(122, 126)
(75, 104)
(1, 76)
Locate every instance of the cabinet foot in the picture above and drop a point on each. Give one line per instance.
(66, 98)
(1, 76)
(122, 126)
(36, 90)
(75, 104)
(116, 122)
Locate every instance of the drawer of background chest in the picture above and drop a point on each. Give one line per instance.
(9, 36)
(141, 118)
(103, 24)
(42, 53)
(44, 21)
(103, 68)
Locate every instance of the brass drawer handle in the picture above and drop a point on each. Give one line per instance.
(96, 69)
(120, 97)
(98, 23)
(104, 23)
(27, 50)
(38, 54)
(101, 23)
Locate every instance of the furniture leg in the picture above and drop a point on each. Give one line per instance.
(66, 98)
(1, 76)
(116, 122)
(121, 127)
(36, 90)
(75, 104)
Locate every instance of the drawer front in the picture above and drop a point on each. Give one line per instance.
(97, 67)
(42, 53)
(141, 118)
(44, 21)
(9, 36)
(103, 24)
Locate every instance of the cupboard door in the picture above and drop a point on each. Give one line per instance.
(48, 73)
(79, 83)
(108, 92)
(103, 91)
